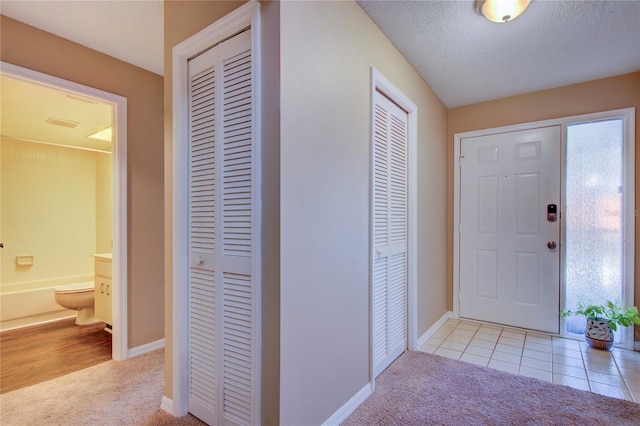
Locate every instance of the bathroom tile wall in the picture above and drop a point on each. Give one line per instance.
(104, 211)
(48, 202)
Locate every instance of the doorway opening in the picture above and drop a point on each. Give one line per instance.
(100, 158)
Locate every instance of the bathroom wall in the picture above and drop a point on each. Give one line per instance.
(104, 197)
(52, 201)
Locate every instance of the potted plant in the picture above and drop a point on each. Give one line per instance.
(603, 320)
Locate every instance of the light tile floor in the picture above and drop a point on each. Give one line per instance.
(553, 359)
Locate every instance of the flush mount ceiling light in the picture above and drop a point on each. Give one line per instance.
(103, 135)
(501, 10)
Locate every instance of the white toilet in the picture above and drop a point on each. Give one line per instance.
(78, 297)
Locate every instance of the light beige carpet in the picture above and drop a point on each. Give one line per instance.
(424, 389)
(112, 393)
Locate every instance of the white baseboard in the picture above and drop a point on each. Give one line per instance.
(149, 347)
(167, 405)
(435, 327)
(348, 408)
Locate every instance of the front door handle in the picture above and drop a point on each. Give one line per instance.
(551, 245)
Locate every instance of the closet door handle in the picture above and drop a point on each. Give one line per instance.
(108, 285)
(102, 288)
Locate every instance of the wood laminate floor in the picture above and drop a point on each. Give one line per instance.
(35, 354)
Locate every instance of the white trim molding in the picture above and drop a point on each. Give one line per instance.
(350, 406)
(166, 405)
(146, 348)
(119, 179)
(628, 117)
(247, 15)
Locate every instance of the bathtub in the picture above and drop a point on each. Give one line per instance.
(23, 308)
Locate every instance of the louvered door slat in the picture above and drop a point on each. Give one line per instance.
(203, 379)
(223, 323)
(202, 337)
(398, 180)
(380, 311)
(238, 346)
(202, 168)
(380, 234)
(222, 288)
(238, 156)
(389, 230)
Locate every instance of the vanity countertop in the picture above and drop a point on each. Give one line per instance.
(103, 256)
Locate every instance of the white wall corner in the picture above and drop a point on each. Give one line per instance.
(435, 327)
(348, 408)
(149, 347)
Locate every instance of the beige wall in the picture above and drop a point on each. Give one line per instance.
(31, 48)
(270, 16)
(327, 49)
(182, 19)
(595, 96)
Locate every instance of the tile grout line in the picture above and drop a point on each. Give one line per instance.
(552, 351)
(624, 379)
(495, 345)
(584, 365)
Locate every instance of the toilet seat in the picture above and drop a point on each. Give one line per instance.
(74, 288)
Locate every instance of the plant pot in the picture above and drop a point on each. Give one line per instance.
(598, 334)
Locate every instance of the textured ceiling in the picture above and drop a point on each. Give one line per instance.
(130, 30)
(467, 59)
(28, 108)
(464, 58)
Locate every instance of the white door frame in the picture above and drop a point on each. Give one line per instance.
(383, 85)
(628, 117)
(241, 18)
(119, 348)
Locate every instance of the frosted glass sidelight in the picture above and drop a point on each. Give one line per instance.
(594, 216)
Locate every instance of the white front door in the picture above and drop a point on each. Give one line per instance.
(389, 232)
(509, 267)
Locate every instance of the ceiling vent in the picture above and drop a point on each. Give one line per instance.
(63, 123)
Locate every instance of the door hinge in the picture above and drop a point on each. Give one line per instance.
(459, 228)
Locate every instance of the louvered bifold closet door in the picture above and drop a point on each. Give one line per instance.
(203, 291)
(222, 291)
(236, 237)
(389, 232)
